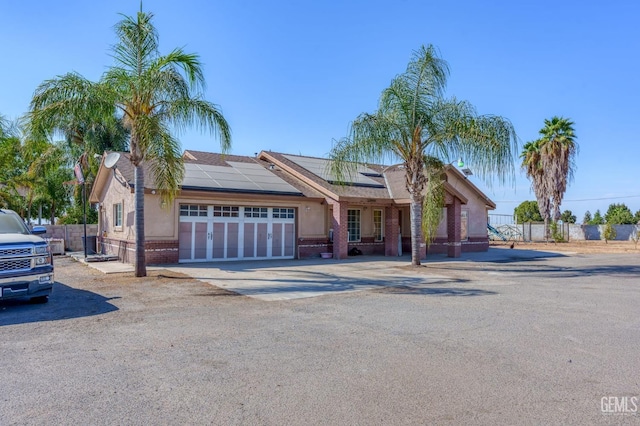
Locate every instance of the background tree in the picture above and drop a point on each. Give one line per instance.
(152, 94)
(527, 211)
(587, 217)
(6, 127)
(597, 218)
(550, 163)
(12, 165)
(568, 217)
(636, 217)
(414, 123)
(619, 214)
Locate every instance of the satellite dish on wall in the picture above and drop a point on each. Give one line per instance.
(111, 160)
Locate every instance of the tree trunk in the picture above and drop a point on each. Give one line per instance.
(140, 260)
(416, 228)
(546, 229)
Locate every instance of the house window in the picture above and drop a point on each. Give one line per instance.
(378, 231)
(353, 225)
(117, 215)
(226, 211)
(193, 210)
(464, 222)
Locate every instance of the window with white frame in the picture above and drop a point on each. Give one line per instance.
(193, 210)
(226, 211)
(284, 213)
(378, 227)
(117, 215)
(353, 225)
(255, 212)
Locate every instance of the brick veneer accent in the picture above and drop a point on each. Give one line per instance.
(454, 213)
(340, 232)
(156, 251)
(391, 231)
(312, 247)
(369, 246)
(473, 244)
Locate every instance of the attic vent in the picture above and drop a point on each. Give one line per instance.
(375, 175)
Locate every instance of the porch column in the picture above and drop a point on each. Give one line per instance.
(391, 231)
(454, 213)
(340, 232)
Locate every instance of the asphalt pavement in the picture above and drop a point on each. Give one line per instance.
(540, 339)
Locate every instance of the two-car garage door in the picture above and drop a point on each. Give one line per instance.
(211, 232)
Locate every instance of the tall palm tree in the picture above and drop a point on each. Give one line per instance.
(532, 165)
(558, 151)
(550, 162)
(414, 122)
(152, 94)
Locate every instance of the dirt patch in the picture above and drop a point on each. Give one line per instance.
(156, 279)
(591, 246)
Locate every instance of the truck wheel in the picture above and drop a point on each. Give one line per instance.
(40, 299)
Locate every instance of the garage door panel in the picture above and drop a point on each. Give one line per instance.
(249, 239)
(289, 239)
(276, 240)
(185, 234)
(233, 234)
(261, 243)
(200, 241)
(218, 240)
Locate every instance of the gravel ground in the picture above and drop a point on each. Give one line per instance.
(509, 342)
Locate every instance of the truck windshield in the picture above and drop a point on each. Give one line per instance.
(12, 224)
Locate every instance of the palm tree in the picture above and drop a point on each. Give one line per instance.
(532, 165)
(152, 94)
(4, 127)
(415, 123)
(558, 151)
(550, 162)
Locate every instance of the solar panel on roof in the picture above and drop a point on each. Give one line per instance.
(320, 168)
(238, 177)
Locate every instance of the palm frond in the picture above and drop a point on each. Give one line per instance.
(166, 165)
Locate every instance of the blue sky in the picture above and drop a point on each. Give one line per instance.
(290, 75)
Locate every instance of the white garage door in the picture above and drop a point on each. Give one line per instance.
(209, 233)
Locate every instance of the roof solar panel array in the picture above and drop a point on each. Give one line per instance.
(239, 177)
(320, 168)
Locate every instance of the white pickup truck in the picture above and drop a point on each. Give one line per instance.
(26, 263)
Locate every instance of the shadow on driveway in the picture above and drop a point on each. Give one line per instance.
(64, 303)
(436, 291)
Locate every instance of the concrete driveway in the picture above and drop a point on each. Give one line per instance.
(272, 280)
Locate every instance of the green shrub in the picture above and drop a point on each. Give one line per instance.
(608, 233)
(635, 237)
(555, 232)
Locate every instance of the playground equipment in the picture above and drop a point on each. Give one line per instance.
(505, 233)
